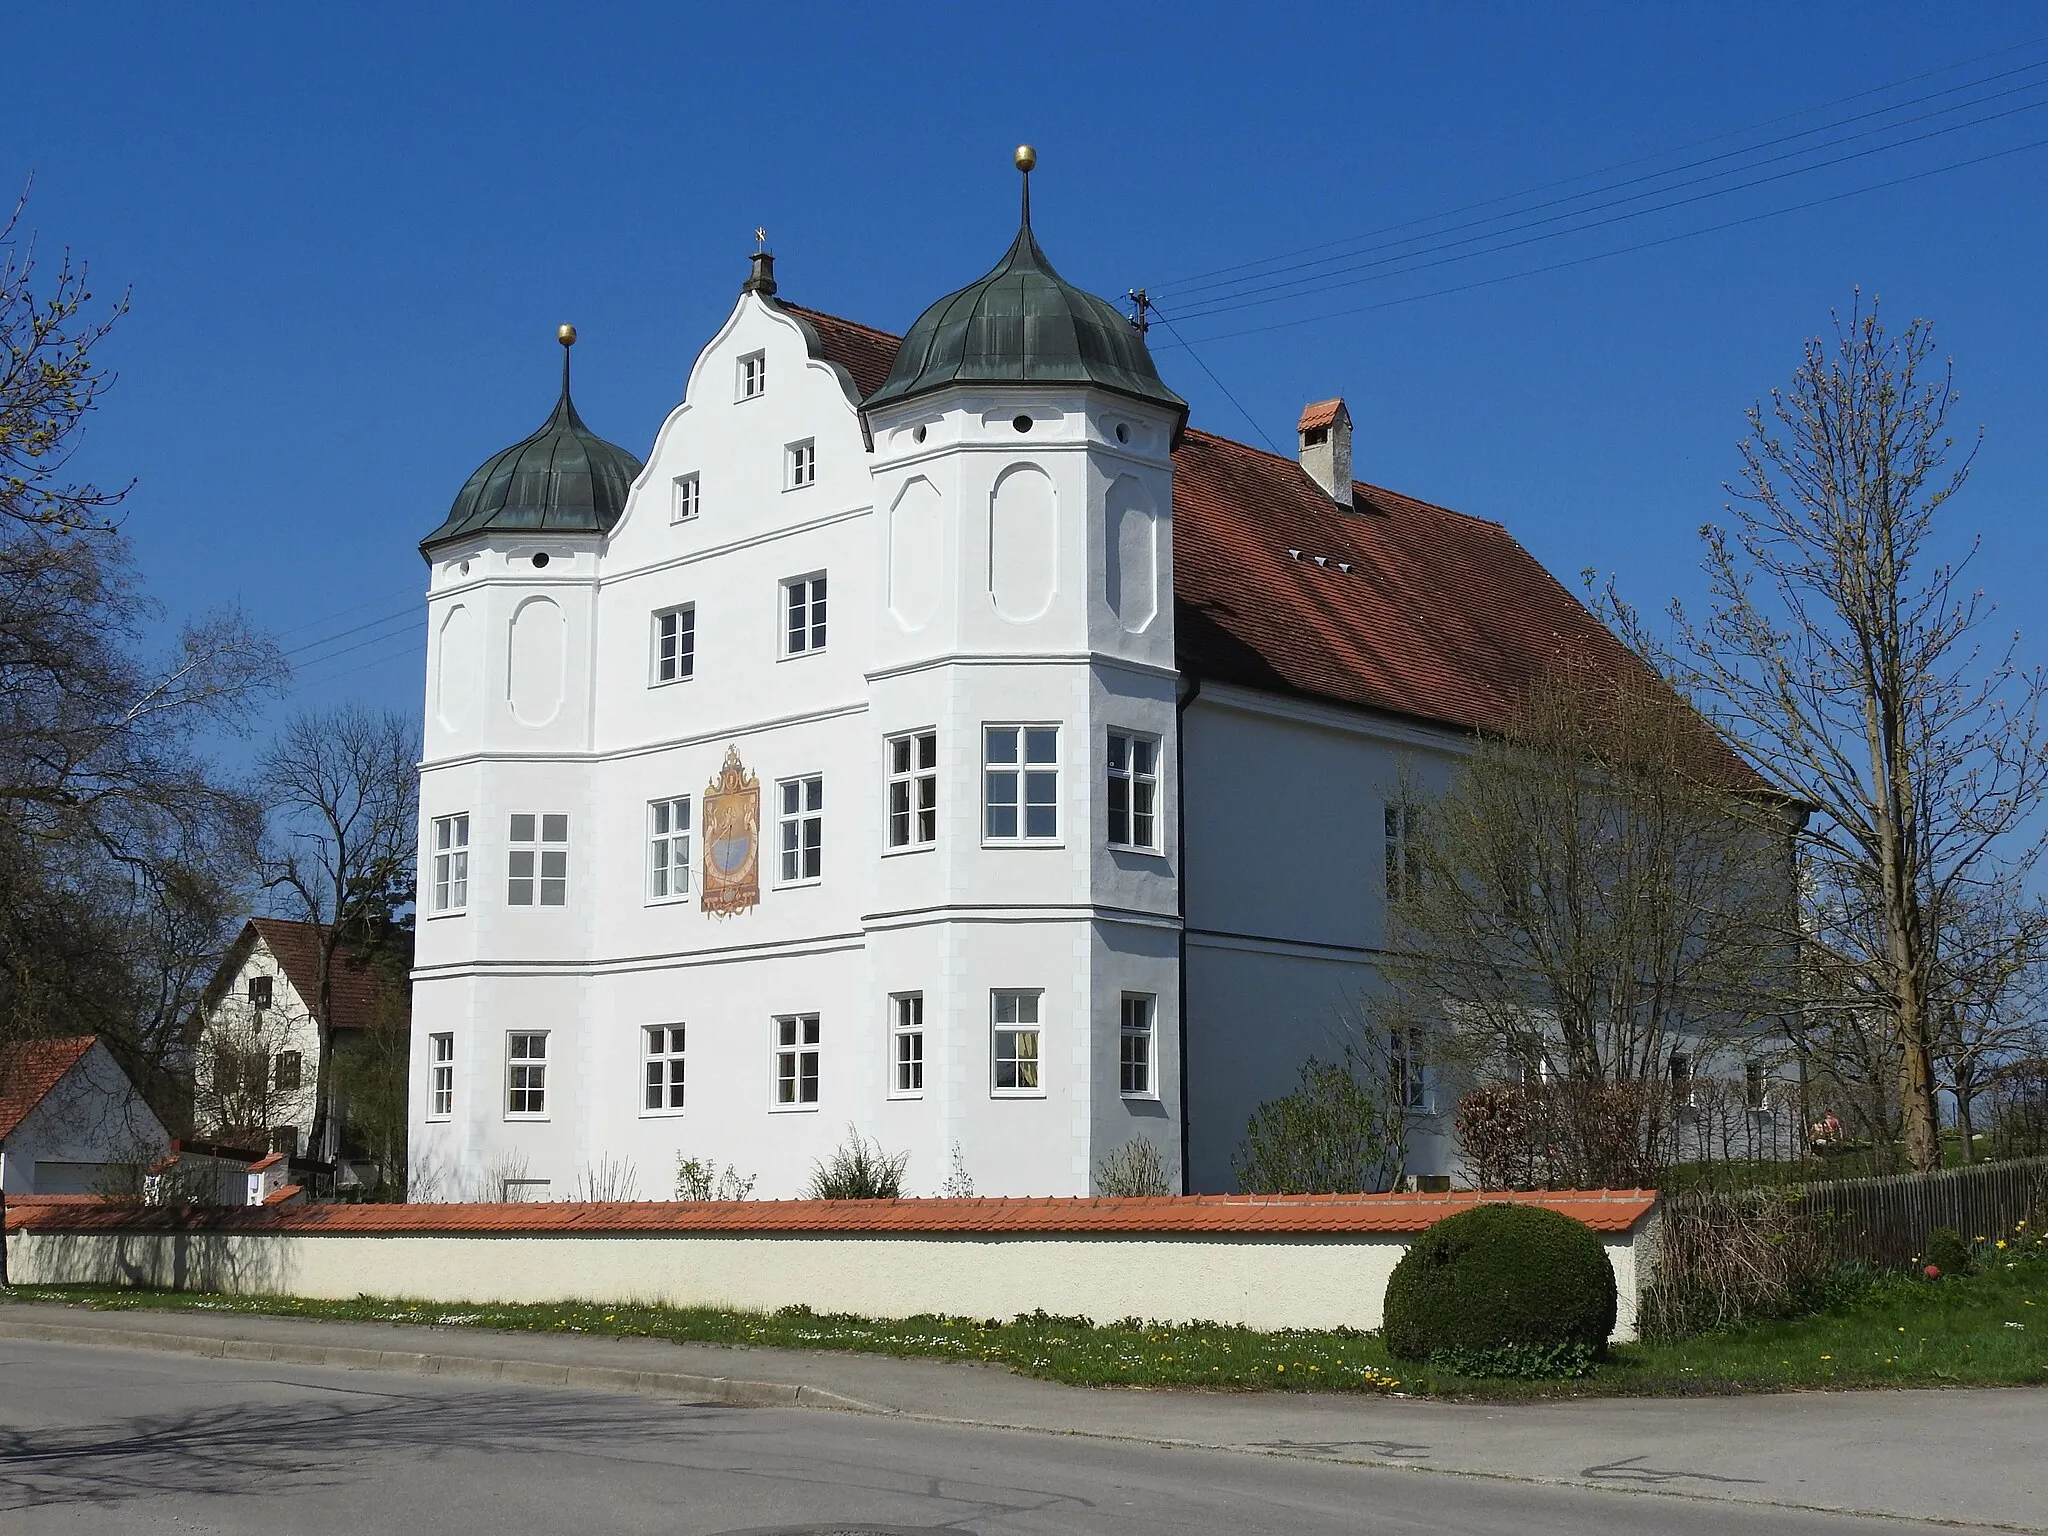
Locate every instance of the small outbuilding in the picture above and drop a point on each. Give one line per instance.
(72, 1122)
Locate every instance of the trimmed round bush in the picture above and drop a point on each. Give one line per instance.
(1501, 1277)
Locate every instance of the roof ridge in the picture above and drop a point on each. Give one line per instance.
(826, 314)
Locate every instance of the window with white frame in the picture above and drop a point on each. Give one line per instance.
(912, 762)
(537, 863)
(803, 828)
(796, 1060)
(1756, 1087)
(1134, 1049)
(1408, 1068)
(800, 462)
(1020, 783)
(753, 379)
(803, 615)
(675, 646)
(1404, 857)
(668, 849)
(526, 1074)
(1133, 791)
(451, 863)
(683, 499)
(1014, 1042)
(440, 1076)
(663, 1078)
(906, 1044)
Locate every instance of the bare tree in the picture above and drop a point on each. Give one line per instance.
(343, 790)
(1601, 888)
(1992, 943)
(1841, 649)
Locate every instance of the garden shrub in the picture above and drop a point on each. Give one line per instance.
(859, 1170)
(1500, 1277)
(1947, 1252)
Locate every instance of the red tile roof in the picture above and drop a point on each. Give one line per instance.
(296, 947)
(1439, 616)
(29, 1069)
(1191, 1215)
(1319, 413)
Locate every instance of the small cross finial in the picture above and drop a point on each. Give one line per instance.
(760, 238)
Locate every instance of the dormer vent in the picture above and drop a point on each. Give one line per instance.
(1325, 429)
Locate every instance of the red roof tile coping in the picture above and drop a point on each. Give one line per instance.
(270, 1161)
(284, 1196)
(1319, 414)
(1604, 1210)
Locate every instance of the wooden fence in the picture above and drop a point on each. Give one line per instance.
(1886, 1221)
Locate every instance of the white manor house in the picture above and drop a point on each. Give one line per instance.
(935, 736)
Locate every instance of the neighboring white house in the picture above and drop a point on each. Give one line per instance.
(257, 1036)
(936, 736)
(71, 1121)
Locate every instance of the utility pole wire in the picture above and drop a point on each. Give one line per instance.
(1247, 415)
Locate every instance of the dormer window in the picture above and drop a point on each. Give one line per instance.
(753, 375)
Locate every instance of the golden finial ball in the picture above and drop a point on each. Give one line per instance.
(1026, 157)
(566, 335)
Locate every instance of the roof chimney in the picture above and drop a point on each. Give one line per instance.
(1325, 429)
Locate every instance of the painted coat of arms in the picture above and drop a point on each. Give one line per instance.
(732, 840)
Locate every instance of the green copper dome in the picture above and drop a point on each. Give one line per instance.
(1024, 324)
(563, 479)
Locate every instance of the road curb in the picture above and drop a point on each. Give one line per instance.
(532, 1373)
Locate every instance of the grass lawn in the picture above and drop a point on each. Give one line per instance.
(1980, 1330)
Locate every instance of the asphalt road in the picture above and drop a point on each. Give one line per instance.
(117, 1441)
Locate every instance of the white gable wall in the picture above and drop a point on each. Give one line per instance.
(87, 1130)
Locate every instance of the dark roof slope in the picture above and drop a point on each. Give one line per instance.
(1440, 616)
(296, 947)
(29, 1069)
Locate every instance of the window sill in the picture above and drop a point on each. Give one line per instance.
(1023, 842)
(663, 1114)
(798, 885)
(1016, 1093)
(793, 1109)
(808, 485)
(511, 1118)
(909, 1097)
(1148, 1096)
(1150, 853)
(670, 901)
(815, 650)
(438, 1120)
(910, 848)
(673, 682)
(435, 917)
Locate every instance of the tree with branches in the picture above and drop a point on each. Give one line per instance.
(1842, 647)
(1601, 887)
(343, 792)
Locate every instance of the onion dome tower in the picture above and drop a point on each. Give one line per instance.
(1024, 324)
(562, 479)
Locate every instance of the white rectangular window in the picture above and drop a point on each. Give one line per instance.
(537, 864)
(1133, 791)
(675, 645)
(1134, 1049)
(663, 1085)
(526, 1074)
(803, 828)
(1409, 1070)
(796, 1060)
(668, 849)
(1756, 1087)
(683, 502)
(803, 615)
(451, 863)
(912, 764)
(802, 464)
(1014, 1042)
(906, 1044)
(1404, 858)
(440, 1076)
(1021, 783)
(753, 381)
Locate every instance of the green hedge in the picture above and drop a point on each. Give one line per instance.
(1501, 1277)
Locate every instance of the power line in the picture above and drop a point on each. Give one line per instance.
(1260, 281)
(346, 649)
(1191, 352)
(393, 594)
(1579, 261)
(1414, 265)
(1566, 181)
(389, 618)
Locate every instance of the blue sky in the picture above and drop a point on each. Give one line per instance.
(350, 233)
